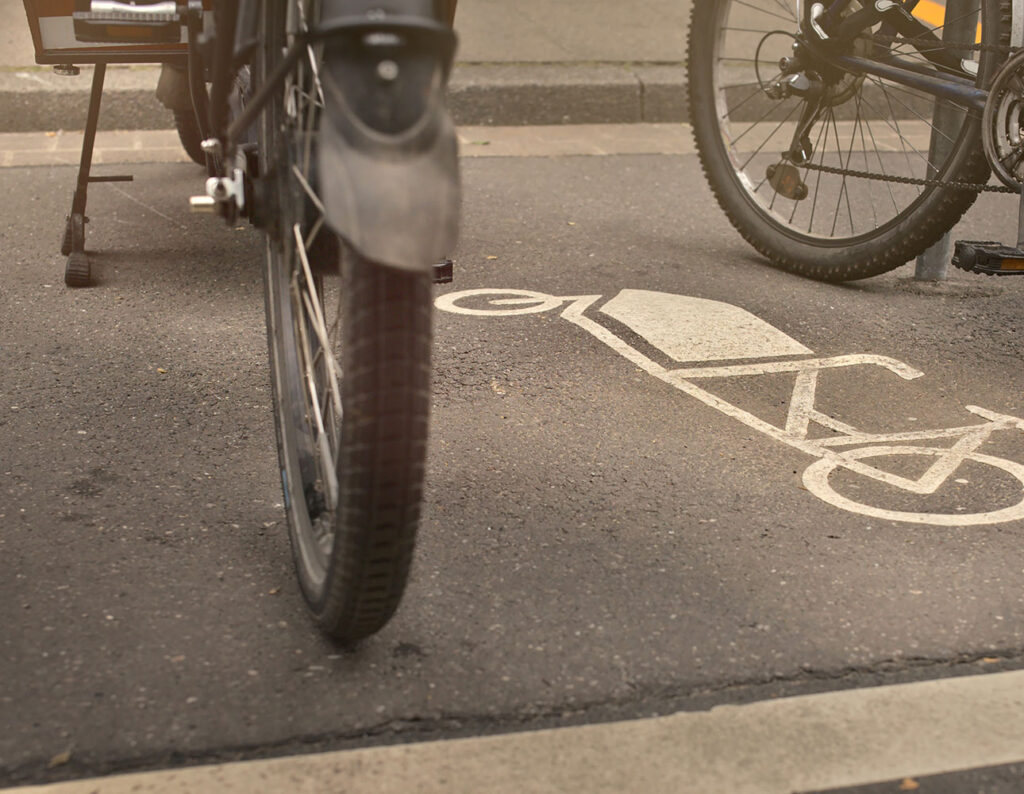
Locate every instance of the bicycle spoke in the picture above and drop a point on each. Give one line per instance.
(767, 138)
(327, 464)
(729, 111)
(844, 189)
(820, 148)
(895, 127)
(319, 326)
(838, 223)
(890, 90)
(785, 17)
(309, 190)
(868, 130)
(862, 125)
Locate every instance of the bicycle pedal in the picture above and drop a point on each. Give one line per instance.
(988, 257)
(444, 272)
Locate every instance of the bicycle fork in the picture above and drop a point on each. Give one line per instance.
(387, 160)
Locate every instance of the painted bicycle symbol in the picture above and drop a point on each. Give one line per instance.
(695, 330)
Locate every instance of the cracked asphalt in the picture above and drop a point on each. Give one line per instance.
(596, 544)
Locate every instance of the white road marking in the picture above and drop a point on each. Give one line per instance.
(816, 481)
(806, 743)
(696, 329)
(526, 302)
(691, 329)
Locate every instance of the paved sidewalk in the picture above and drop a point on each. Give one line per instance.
(528, 62)
(162, 146)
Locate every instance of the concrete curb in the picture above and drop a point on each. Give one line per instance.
(871, 738)
(599, 93)
(34, 98)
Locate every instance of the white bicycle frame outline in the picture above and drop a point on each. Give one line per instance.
(801, 413)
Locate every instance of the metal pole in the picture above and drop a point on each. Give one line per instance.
(961, 26)
(1020, 221)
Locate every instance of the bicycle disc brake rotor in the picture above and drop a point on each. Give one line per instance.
(1002, 128)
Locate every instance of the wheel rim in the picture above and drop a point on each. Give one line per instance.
(870, 125)
(304, 299)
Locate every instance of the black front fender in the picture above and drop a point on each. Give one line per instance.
(388, 154)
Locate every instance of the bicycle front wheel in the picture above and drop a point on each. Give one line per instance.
(859, 202)
(349, 348)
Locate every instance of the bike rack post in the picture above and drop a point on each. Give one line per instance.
(961, 26)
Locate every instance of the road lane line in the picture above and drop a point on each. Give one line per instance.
(805, 743)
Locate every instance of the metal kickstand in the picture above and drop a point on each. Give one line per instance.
(77, 272)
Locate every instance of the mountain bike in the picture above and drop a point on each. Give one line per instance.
(843, 138)
(323, 123)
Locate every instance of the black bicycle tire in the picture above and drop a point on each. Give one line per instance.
(385, 352)
(385, 390)
(907, 235)
(386, 395)
(190, 136)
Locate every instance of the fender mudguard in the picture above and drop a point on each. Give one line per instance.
(388, 153)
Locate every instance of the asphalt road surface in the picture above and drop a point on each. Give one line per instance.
(600, 540)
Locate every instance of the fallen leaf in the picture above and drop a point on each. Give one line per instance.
(990, 660)
(492, 257)
(161, 370)
(572, 223)
(274, 590)
(909, 784)
(59, 760)
(51, 134)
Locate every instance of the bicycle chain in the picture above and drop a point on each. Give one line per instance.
(905, 180)
(908, 180)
